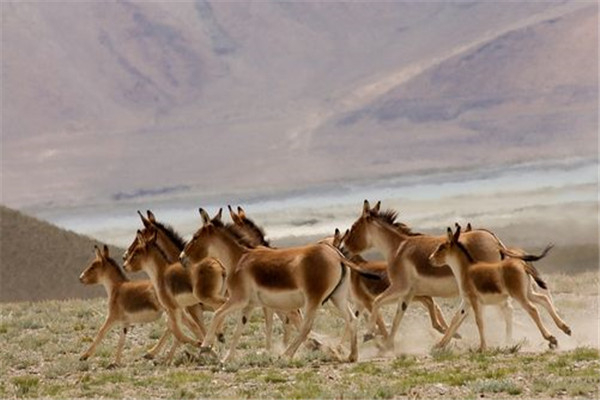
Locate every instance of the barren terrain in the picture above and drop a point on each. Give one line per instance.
(41, 344)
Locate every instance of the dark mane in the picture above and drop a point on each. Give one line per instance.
(117, 268)
(257, 231)
(171, 234)
(389, 217)
(235, 232)
(465, 252)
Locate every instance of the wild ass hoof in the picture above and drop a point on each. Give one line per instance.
(149, 356)
(566, 330)
(368, 336)
(552, 342)
(113, 365)
(221, 337)
(84, 357)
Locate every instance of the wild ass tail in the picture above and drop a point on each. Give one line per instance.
(529, 268)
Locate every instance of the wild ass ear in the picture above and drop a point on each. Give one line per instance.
(366, 207)
(105, 251)
(151, 217)
(456, 234)
(234, 217)
(469, 228)
(241, 213)
(219, 215)
(205, 216)
(97, 251)
(345, 235)
(146, 223)
(450, 234)
(375, 210)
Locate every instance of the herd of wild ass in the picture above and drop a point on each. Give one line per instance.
(230, 267)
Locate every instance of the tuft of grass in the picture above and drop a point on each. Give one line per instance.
(497, 386)
(26, 386)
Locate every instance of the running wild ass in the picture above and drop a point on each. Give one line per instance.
(282, 279)
(482, 283)
(407, 255)
(129, 302)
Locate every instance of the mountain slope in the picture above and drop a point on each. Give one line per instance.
(39, 261)
(125, 97)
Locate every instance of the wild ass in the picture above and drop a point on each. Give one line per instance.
(283, 279)
(482, 283)
(407, 255)
(129, 302)
(365, 288)
(203, 280)
(254, 236)
(173, 283)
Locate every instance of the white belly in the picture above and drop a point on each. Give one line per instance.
(493, 298)
(436, 286)
(280, 300)
(142, 317)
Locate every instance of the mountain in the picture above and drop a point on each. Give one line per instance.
(103, 101)
(39, 261)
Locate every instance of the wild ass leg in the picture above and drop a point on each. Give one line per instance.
(108, 323)
(340, 301)
(434, 313)
(120, 345)
(174, 318)
(195, 313)
(235, 302)
(535, 315)
(457, 320)
(268, 327)
(238, 332)
(479, 321)
(546, 302)
(387, 296)
(400, 310)
(507, 313)
(158, 346)
(309, 318)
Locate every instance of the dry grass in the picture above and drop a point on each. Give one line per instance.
(42, 343)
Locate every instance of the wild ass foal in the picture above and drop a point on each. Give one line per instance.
(483, 283)
(407, 254)
(129, 302)
(283, 279)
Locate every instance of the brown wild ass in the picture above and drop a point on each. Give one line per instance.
(365, 288)
(283, 279)
(129, 302)
(201, 277)
(254, 236)
(174, 285)
(482, 283)
(407, 255)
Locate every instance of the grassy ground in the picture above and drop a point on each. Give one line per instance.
(41, 344)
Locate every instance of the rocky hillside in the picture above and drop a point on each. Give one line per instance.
(108, 100)
(39, 261)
